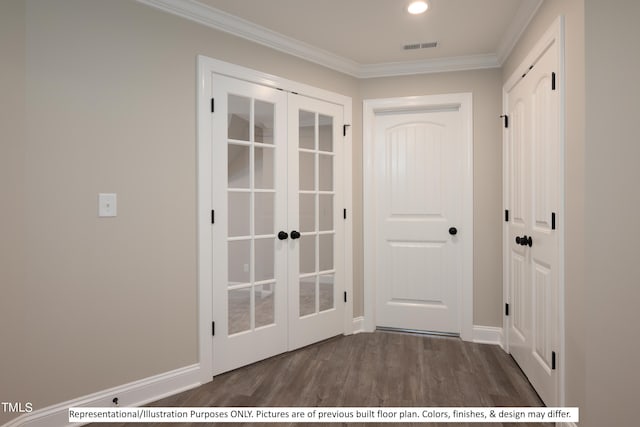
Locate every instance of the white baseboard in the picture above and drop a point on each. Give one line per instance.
(488, 335)
(358, 324)
(136, 393)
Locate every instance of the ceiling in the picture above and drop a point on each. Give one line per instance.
(365, 38)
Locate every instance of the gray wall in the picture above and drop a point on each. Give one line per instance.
(12, 185)
(611, 242)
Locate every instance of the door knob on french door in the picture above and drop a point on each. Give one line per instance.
(295, 235)
(283, 235)
(453, 231)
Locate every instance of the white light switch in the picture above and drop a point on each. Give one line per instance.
(107, 204)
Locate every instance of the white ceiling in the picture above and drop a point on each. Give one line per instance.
(365, 37)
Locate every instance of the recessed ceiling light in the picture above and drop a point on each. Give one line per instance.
(417, 7)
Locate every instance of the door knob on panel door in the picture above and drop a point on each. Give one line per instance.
(453, 231)
(518, 241)
(295, 235)
(283, 235)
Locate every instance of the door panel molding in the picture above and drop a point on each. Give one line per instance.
(463, 102)
(206, 68)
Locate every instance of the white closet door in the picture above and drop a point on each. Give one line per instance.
(316, 242)
(533, 155)
(250, 200)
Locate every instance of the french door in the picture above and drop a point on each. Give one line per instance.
(277, 238)
(533, 152)
(316, 309)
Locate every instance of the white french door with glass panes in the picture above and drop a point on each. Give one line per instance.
(277, 240)
(250, 193)
(316, 258)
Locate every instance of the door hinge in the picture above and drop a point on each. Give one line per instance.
(506, 309)
(213, 329)
(345, 296)
(506, 215)
(344, 129)
(213, 105)
(213, 216)
(344, 213)
(553, 220)
(553, 360)
(553, 81)
(506, 120)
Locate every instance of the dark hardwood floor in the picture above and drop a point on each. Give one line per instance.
(378, 369)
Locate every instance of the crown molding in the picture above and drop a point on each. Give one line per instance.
(524, 15)
(427, 66)
(223, 21)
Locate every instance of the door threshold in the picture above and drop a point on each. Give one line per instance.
(417, 332)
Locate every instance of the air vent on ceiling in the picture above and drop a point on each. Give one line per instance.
(420, 45)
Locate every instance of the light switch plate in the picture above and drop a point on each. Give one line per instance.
(107, 204)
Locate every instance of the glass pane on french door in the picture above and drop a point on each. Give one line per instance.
(251, 203)
(316, 193)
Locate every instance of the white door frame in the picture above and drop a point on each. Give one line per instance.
(555, 34)
(464, 102)
(205, 69)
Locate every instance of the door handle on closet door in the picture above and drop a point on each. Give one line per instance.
(295, 235)
(524, 240)
(283, 235)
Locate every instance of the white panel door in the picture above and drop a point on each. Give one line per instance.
(316, 245)
(533, 153)
(419, 172)
(250, 197)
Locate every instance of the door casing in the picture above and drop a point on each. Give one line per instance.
(206, 67)
(555, 34)
(464, 103)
